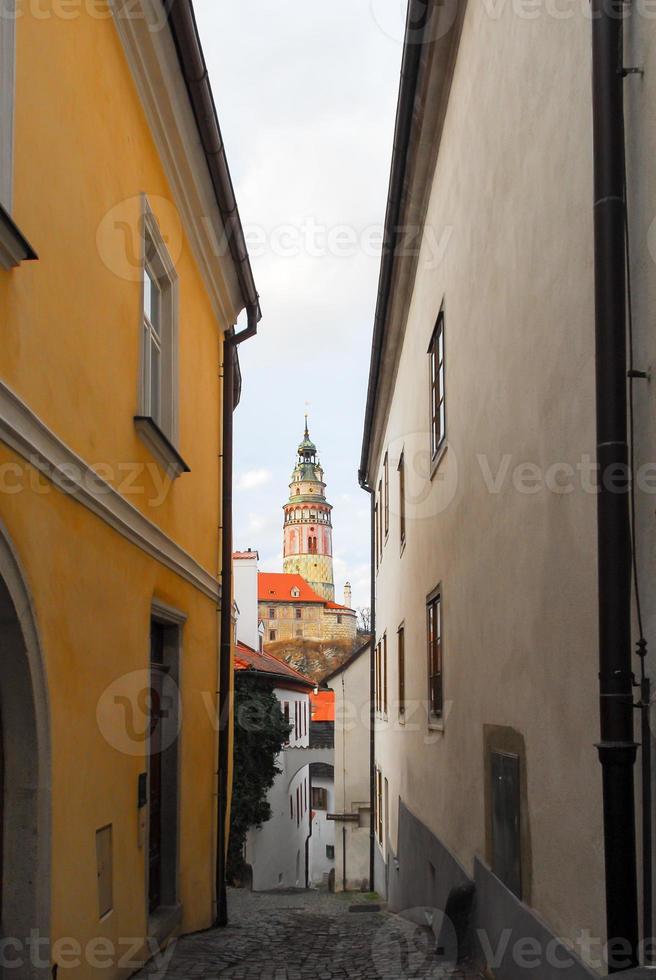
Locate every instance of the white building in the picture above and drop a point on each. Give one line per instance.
(245, 571)
(278, 851)
(281, 851)
(352, 807)
(322, 841)
(481, 420)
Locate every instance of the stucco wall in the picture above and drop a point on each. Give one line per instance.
(351, 687)
(323, 834)
(245, 592)
(316, 623)
(276, 851)
(512, 205)
(83, 156)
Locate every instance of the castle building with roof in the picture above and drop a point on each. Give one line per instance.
(299, 603)
(290, 609)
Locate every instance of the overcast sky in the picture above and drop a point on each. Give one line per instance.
(306, 96)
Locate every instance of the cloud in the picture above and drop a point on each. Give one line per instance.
(252, 479)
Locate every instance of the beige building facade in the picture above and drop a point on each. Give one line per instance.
(479, 452)
(290, 609)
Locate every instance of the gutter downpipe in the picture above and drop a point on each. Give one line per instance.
(372, 700)
(184, 30)
(617, 748)
(226, 689)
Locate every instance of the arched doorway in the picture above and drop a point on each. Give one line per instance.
(25, 777)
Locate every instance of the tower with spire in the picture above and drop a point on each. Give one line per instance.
(308, 530)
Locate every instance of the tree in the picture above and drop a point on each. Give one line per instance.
(364, 619)
(260, 734)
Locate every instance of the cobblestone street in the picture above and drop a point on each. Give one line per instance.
(313, 935)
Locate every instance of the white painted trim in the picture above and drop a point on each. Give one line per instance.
(164, 613)
(156, 259)
(25, 433)
(153, 61)
(7, 99)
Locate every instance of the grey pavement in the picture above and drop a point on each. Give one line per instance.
(305, 936)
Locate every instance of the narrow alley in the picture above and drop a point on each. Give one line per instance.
(304, 934)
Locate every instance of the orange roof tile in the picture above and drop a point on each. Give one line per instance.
(265, 663)
(323, 706)
(278, 586)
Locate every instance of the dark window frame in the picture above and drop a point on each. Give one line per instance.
(401, 669)
(435, 655)
(386, 494)
(437, 381)
(402, 521)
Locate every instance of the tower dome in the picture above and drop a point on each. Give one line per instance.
(308, 545)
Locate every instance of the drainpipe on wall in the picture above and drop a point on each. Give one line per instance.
(230, 343)
(617, 748)
(372, 689)
(184, 31)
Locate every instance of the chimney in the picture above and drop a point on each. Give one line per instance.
(347, 595)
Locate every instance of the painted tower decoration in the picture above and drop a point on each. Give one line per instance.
(308, 548)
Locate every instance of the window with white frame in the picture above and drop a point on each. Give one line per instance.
(7, 89)
(157, 418)
(14, 247)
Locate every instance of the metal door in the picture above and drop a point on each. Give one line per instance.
(506, 835)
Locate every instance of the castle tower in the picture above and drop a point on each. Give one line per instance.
(308, 548)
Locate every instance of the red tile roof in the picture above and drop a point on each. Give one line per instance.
(265, 663)
(277, 587)
(245, 554)
(323, 706)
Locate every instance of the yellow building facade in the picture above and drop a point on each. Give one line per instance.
(111, 359)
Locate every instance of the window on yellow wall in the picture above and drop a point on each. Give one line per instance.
(7, 90)
(157, 416)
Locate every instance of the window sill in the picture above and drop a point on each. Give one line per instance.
(436, 725)
(14, 247)
(402, 549)
(439, 456)
(162, 449)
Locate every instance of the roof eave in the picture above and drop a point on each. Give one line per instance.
(428, 66)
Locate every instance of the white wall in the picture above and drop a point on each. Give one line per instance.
(512, 196)
(323, 834)
(245, 591)
(351, 687)
(276, 851)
